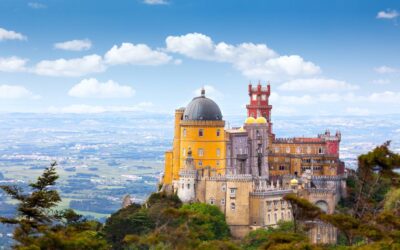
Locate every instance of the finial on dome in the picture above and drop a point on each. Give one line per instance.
(203, 92)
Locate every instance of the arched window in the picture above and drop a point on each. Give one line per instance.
(218, 132)
(233, 206)
(201, 132)
(218, 152)
(184, 132)
(323, 205)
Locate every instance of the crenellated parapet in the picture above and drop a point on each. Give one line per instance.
(188, 173)
(267, 193)
(321, 191)
(328, 177)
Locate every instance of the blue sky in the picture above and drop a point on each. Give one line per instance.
(321, 57)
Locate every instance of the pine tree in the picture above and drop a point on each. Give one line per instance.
(34, 211)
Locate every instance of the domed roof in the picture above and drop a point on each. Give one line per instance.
(294, 182)
(241, 129)
(261, 119)
(250, 120)
(202, 108)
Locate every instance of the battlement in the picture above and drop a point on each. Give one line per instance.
(185, 173)
(239, 177)
(324, 191)
(267, 193)
(260, 89)
(328, 178)
(307, 140)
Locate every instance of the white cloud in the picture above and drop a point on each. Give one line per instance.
(70, 67)
(291, 100)
(384, 97)
(36, 5)
(10, 35)
(12, 64)
(74, 45)
(357, 111)
(386, 70)
(284, 110)
(89, 109)
(389, 14)
(282, 67)
(253, 60)
(155, 2)
(92, 88)
(177, 61)
(316, 85)
(192, 45)
(381, 81)
(16, 92)
(136, 54)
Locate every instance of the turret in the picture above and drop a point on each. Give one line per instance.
(259, 103)
(187, 180)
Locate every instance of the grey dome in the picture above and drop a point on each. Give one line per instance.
(203, 109)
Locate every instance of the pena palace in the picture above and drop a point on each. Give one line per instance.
(246, 171)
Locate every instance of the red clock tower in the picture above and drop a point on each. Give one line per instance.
(259, 103)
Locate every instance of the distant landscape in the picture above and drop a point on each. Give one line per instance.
(103, 157)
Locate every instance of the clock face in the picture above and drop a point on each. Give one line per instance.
(254, 97)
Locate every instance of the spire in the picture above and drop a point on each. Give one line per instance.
(203, 92)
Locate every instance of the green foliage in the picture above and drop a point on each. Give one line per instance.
(302, 209)
(376, 174)
(347, 224)
(130, 220)
(392, 200)
(208, 219)
(287, 241)
(84, 235)
(174, 226)
(218, 245)
(41, 227)
(255, 239)
(370, 212)
(34, 214)
(164, 199)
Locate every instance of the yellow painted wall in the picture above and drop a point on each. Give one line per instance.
(176, 144)
(209, 142)
(168, 167)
